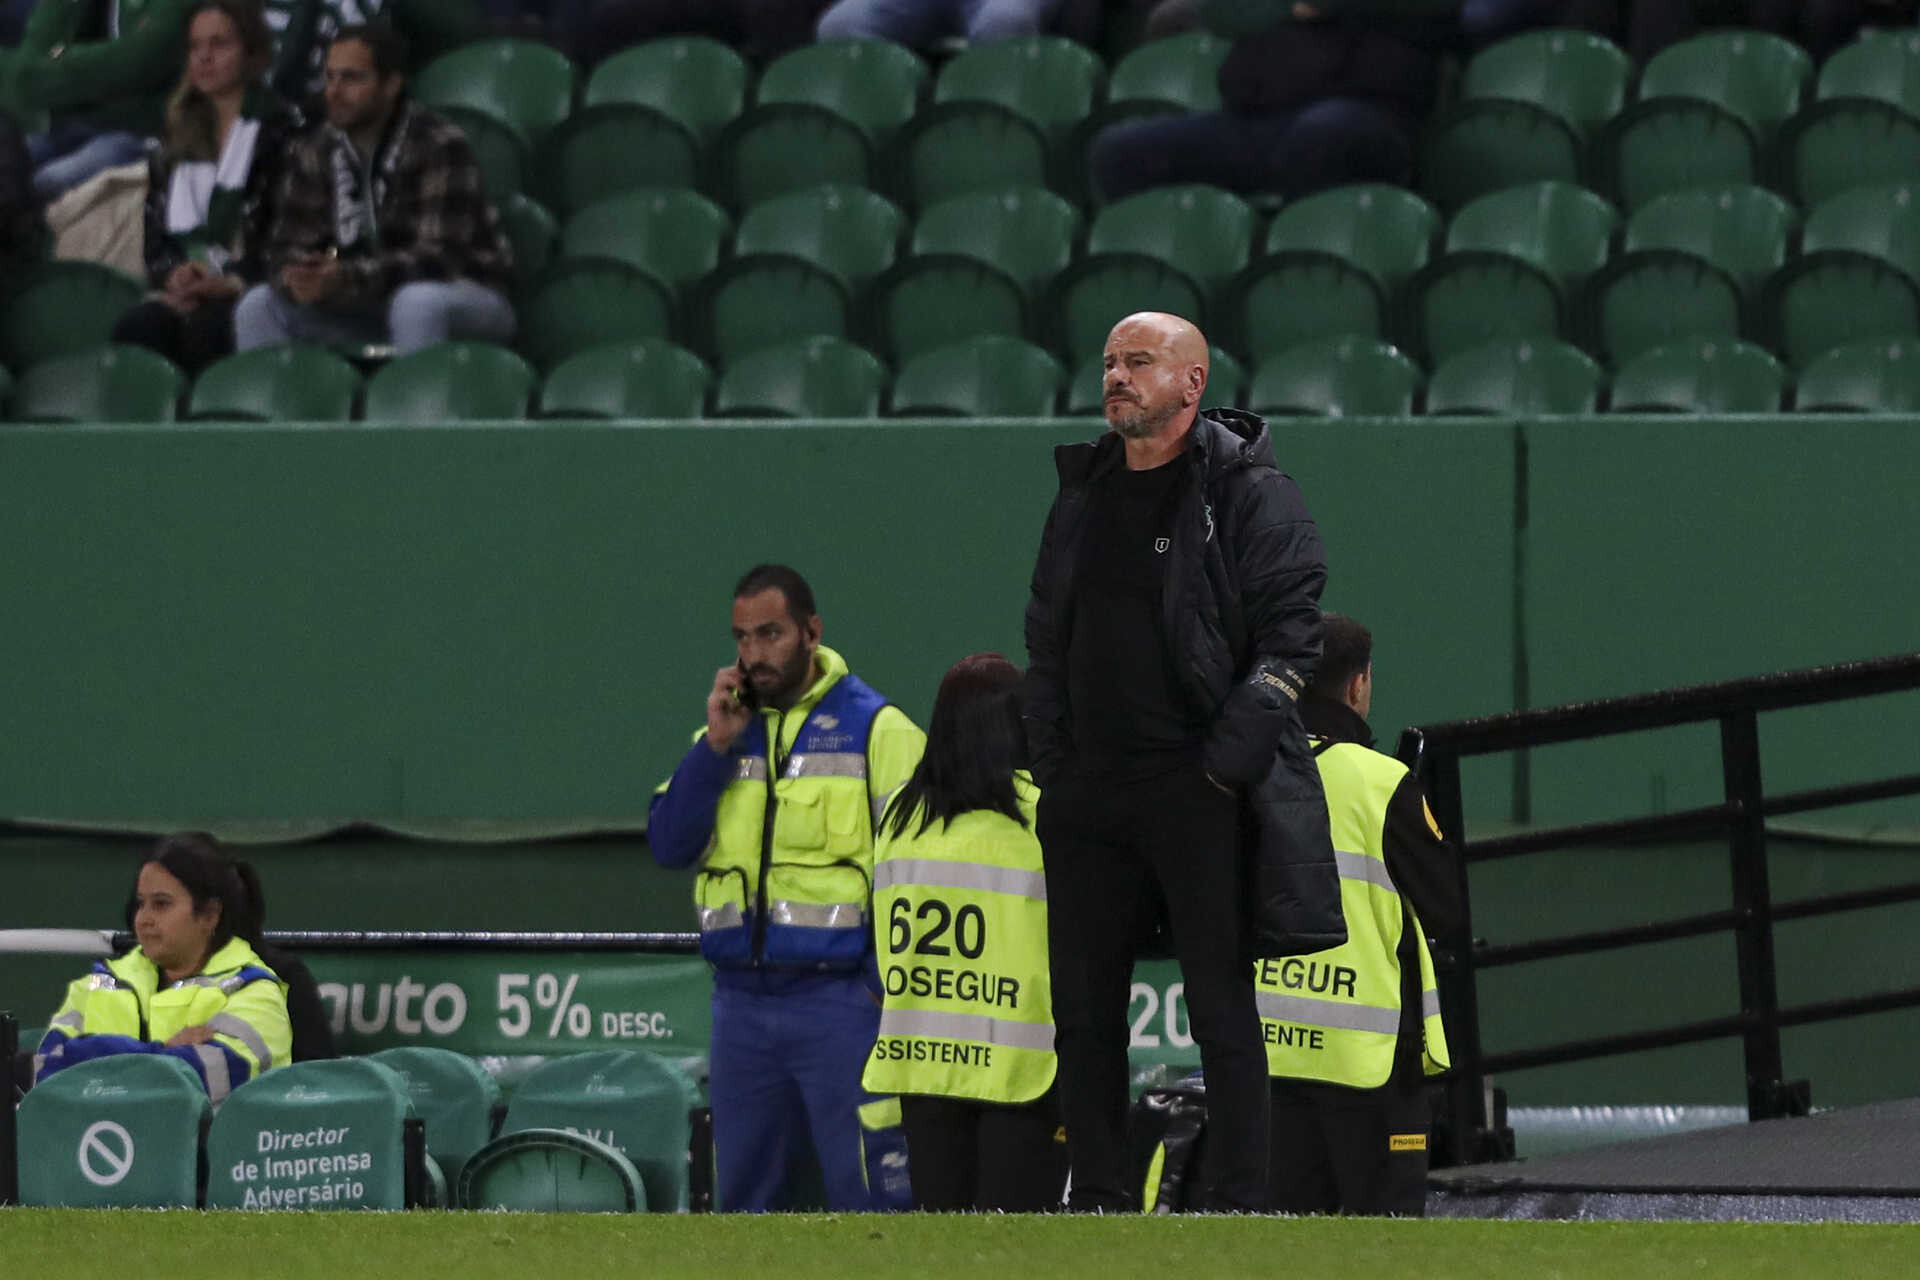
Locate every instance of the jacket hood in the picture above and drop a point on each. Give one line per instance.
(1225, 439)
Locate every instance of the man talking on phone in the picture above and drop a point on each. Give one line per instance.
(774, 807)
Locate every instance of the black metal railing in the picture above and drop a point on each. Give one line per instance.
(1435, 752)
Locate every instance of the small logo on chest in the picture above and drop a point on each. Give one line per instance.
(1160, 545)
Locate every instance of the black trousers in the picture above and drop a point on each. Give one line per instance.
(979, 1156)
(1361, 1151)
(192, 341)
(1106, 847)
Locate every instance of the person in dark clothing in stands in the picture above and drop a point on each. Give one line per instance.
(1172, 625)
(1315, 95)
(312, 1030)
(759, 28)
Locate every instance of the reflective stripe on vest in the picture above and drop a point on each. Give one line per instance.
(960, 924)
(1335, 1016)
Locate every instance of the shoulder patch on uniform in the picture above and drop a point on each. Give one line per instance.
(1433, 823)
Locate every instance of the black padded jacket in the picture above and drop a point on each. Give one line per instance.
(1240, 608)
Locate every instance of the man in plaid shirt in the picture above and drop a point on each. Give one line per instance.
(382, 231)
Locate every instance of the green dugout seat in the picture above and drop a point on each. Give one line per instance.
(59, 307)
(1386, 233)
(1180, 71)
(1744, 230)
(648, 378)
(454, 1095)
(1336, 378)
(1883, 65)
(1664, 145)
(1527, 377)
(1487, 144)
(764, 299)
(551, 1171)
(693, 79)
(293, 383)
(1843, 143)
(1707, 375)
(633, 1101)
(991, 376)
(451, 382)
(1760, 78)
(106, 384)
(874, 83)
(313, 1135)
(118, 1132)
(1050, 81)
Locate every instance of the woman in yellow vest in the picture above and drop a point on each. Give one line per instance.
(960, 924)
(191, 987)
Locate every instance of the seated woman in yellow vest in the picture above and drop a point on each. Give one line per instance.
(960, 924)
(191, 987)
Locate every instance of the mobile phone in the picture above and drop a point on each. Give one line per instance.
(744, 693)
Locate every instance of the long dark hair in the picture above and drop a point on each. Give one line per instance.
(209, 874)
(974, 744)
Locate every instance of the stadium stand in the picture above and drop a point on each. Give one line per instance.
(1525, 378)
(58, 307)
(649, 378)
(1703, 376)
(674, 234)
(875, 84)
(474, 381)
(817, 377)
(694, 80)
(1203, 232)
(988, 376)
(583, 302)
(931, 300)
(523, 84)
(1027, 232)
(1337, 377)
(957, 148)
(787, 146)
(531, 230)
(602, 151)
(291, 383)
(102, 384)
(117, 1132)
(767, 298)
(850, 232)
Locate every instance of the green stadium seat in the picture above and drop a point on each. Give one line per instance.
(936, 299)
(58, 307)
(1706, 375)
(1488, 144)
(328, 1134)
(1336, 378)
(1578, 76)
(1028, 232)
(1880, 221)
(1180, 71)
(584, 302)
(693, 79)
(850, 231)
(1050, 81)
(1387, 233)
(1562, 229)
(451, 382)
(1883, 65)
(115, 1132)
(959, 148)
(1203, 231)
(550, 1171)
(1743, 230)
(532, 231)
(634, 1101)
(1843, 143)
(520, 82)
(818, 377)
(1523, 379)
(1097, 292)
(991, 376)
(454, 1095)
(1226, 384)
(498, 148)
(1665, 145)
(6, 394)
(765, 299)
(1855, 276)
(292, 383)
(650, 378)
(1863, 377)
(1285, 299)
(874, 83)
(674, 234)
(1760, 78)
(602, 151)
(786, 146)
(1656, 296)
(104, 384)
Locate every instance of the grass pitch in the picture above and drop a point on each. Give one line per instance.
(297, 1246)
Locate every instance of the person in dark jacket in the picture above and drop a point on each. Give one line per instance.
(1172, 626)
(1314, 95)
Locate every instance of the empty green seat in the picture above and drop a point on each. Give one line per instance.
(693, 79)
(1880, 376)
(787, 146)
(449, 382)
(1562, 229)
(1665, 145)
(291, 383)
(1881, 221)
(1202, 231)
(675, 234)
(1883, 65)
(550, 1171)
(1336, 378)
(957, 148)
(634, 1101)
(650, 378)
(765, 299)
(933, 300)
(1707, 375)
(57, 307)
(1855, 276)
(874, 83)
(1843, 143)
(1760, 78)
(1578, 76)
(312, 1135)
(1657, 296)
(104, 384)
(602, 151)
(991, 376)
(1226, 383)
(1093, 295)
(1387, 233)
(1743, 230)
(850, 231)
(1180, 71)
(819, 377)
(1522, 378)
(115, 1132)
(583, 302)
(1285, 299)
(1488, 144)
(454, 1095)
(1051, 81)
(532, 231)
(498, 148)
(523, 83)
(1027, 232)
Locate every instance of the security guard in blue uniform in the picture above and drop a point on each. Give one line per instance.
(1352, 1033)
(774, 808)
